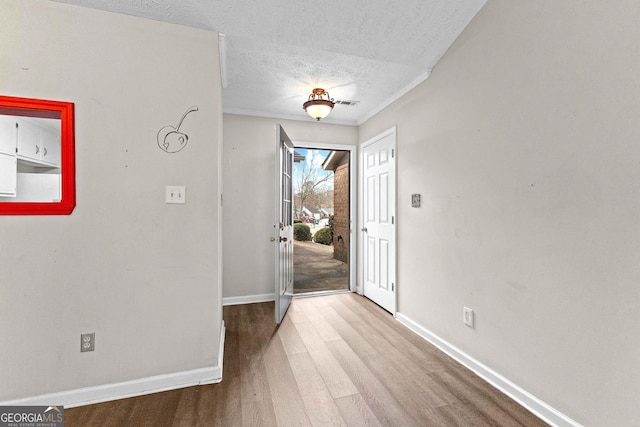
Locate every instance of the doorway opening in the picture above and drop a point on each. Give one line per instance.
(322, 220)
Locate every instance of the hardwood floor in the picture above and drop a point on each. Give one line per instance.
(336, 360)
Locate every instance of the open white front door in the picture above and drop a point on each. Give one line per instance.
(284, 223)
(378, 173)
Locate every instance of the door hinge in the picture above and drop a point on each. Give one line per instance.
(393, 153)
(393, 220)
(393, 287)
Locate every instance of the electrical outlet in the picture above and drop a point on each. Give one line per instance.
(87, 342)
(415, 200)
(467, 316)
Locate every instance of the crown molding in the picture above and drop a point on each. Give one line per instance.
(393, 98)
(254, 113)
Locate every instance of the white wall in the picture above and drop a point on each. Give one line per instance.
(140, 274)
(524, 144)
(249, 195)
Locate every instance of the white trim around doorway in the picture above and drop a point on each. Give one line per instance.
(353, 202)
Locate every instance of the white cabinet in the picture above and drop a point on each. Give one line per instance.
(8, 175)
(8, 162)
(50, 147)
(34, 144)
(37, 145)
(8, 135)
(28, 141)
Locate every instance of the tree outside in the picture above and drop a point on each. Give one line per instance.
(313, 186)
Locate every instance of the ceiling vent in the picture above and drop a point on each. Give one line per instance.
(345, 102)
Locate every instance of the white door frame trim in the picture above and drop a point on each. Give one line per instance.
(353, 203)
(360, 278)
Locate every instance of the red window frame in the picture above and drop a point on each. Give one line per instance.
(28, 107)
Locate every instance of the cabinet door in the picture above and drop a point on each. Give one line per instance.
(8, 174)
(50, 150)
(8, 135)
(28, 141)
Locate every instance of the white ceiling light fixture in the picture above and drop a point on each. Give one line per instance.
(319, 104)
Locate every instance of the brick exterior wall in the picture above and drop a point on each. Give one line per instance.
(341, 211)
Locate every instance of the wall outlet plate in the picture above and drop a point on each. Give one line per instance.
(87, 342)
(415, 200)
(467, 316)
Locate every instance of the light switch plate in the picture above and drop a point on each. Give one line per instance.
(415, 200)
(175, 194)
(467, 316)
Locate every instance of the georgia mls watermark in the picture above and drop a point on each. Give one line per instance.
(31, 416)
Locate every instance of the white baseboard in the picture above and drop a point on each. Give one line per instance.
(223, 332)
(248, 299)
(122, 390)
(523, 397)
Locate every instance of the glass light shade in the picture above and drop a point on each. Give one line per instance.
(318, 109)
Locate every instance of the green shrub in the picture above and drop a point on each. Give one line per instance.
(323, 236)
(301, 232)
(297, 221)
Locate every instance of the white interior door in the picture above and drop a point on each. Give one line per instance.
(284, 223)
(378, 245)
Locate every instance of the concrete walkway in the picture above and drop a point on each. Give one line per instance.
(315, 269)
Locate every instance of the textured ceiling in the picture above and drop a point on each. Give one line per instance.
(278, 50)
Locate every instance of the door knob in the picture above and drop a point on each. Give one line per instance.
(283, 239)
(273, 239)
(364, 229)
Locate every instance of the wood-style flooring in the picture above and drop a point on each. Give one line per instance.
(336, 360)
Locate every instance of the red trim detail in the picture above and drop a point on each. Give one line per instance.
(47, 109)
